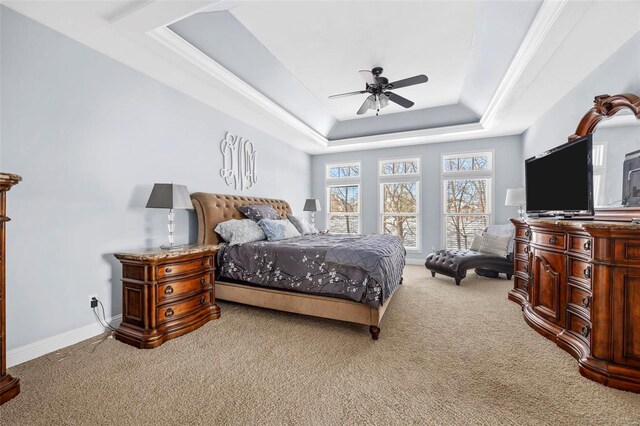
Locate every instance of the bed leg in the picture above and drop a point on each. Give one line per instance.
(433, 274)
(375, 332)
(401, 279)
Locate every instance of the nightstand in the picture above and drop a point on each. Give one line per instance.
(166, 294)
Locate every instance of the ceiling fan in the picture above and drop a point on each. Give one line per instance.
(379, 87)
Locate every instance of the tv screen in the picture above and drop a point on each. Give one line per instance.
(560, 181)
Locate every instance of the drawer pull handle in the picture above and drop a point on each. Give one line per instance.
(587, 246)
(586, 301)
(168, 313)
(168, 270)
(585, 330)
(203, 300)
(526, 249)
(168, 290)
(587, 272)
(553, 240)
(526, 268)
(525, 286)
(203, 281)
(527, 233)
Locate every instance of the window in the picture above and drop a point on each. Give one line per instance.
(467, 182)
(399, 200)
(598, 158)
(343, 197)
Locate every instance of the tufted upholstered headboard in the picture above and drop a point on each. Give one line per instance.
(212, 209)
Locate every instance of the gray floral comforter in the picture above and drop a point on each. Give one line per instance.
(364, 268)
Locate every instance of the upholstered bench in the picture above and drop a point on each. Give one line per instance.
(456, 262)
(489, 262)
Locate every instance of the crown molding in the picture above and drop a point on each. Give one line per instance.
(180, 46)
(546, 17)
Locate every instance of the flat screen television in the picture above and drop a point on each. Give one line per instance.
(559, 182)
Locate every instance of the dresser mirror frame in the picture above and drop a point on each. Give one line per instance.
(605, 107)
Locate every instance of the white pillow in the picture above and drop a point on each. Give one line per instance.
(240, 231)
(301, 224)
(495, 244)
(477, 241)
(278, 229)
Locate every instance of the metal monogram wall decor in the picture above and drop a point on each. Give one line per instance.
(238, 162)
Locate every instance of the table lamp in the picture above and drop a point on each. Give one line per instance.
(517, 197)
(170, 196)
(312, 205)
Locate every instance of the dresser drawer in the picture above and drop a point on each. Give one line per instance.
(579, 326)
(522, 267)
(177, 310)
(579, 244)
(179, 289)
(523, 232)
(521, 249)
(580, 271)
(580, 300)
(178, 268)
(521, 284)
(548, 239)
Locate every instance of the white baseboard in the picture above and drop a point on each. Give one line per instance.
(414, 261)
(50, 344)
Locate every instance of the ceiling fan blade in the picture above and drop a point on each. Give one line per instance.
(417, 79)
(341, 95)
(368, 77)
(365, 106)
(404, 102)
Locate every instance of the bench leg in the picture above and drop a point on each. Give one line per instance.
(509, 277)
(375, 332)
(457, 281)
(433, 274)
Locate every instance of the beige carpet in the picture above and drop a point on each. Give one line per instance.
(446, 355)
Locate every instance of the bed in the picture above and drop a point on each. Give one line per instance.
(341, 277)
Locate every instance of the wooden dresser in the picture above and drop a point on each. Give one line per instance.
(579, 285)
(166, 294)
(9, 386)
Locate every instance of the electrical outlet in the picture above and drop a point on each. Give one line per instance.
(93, 300)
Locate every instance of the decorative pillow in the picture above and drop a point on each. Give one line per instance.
(477, 241)
(495, 244)
(259, 211)
(303, 227)
(241, 231)
(278, 229)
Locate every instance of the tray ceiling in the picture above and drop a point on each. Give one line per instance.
(297, 54)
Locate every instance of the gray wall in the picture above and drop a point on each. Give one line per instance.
(90, 136)
(618, 74)
(508, 174)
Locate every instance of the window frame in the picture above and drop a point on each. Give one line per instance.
(332, 182)
(466, 174)
(401, 178)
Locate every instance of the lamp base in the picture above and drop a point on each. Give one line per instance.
(172, 247)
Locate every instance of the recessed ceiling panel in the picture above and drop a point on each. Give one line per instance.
(324, 44)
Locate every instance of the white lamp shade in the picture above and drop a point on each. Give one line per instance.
(516, 197)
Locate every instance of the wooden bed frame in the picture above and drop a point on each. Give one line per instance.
(212, 209)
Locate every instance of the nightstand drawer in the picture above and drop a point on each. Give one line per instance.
(580, 245)
(177, 310)
(179, 289)
(173, 269)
